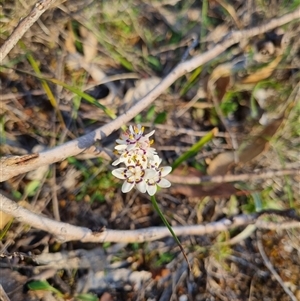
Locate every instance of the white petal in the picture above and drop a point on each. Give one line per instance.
(119, 173)
(139, 128)
(121, 147)
(141, 186)
(165, 170)
(121, 141)
(130, 148)
(164, 183)
(151, 151)
(118, 161)
(150, 173)
(126, 187)
(156, 160)
(150, 134)
(151, 189)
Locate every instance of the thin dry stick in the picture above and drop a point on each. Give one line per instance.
(3, 296)
(191, 180)
(277, 226)
(39, 8)
(66, 232)
(83, 143)
(269, 265)
(55, 205)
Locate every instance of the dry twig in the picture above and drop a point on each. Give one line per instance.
(192, 180)
(83, 143)
(66, 232)
(39, 8)
(3, 296)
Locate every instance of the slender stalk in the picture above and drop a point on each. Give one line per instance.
(155, 205)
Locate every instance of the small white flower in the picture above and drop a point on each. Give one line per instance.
(133, 175)
(133, 138)
(133, 157)
(142, 162)
(154, 178)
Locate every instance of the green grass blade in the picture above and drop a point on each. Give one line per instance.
(6, 228)
(191, 81)
(36, 69)
(43, 285)
(76, 91)
(195, 148)
(85, 96)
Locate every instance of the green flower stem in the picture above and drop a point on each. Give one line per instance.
(195, 148)
(155, 205)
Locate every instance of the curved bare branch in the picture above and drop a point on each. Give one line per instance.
(66, 232)
(77, 146)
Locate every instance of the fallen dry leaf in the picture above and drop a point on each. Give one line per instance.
(218, 190)
(260, 142)
(213, 190)
(220, 164)
(247, 151)
(263, 73)
(220, 81)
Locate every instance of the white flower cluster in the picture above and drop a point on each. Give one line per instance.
(141, 162)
